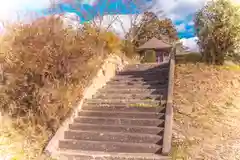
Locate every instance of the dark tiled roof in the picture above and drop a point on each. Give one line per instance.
(155, 43)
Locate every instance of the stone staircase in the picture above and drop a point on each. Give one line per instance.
(124, 120)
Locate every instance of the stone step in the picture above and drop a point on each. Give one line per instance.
(107, 94)
(132, 91)
(140, 79)
(135, 86)
(139, 105)
(116, 128)
(109, 114)
(112, 136)
(127, 96)
(123, 108)
(127, 93)
(123, 101)
(145, 78)
(144, 66)
(119, 121)
(144, 72)
(121, 82)
(109, 146)
(96, 155)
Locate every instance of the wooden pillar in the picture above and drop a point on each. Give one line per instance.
(158, 56)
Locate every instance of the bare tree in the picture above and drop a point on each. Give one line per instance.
(135, 19)
(106, 21)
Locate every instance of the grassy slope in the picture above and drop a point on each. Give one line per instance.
(206, 112)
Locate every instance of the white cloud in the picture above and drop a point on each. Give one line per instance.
(190, 43)
(9, 8)
(90, 2)
(181, 27)
(179, 9)
(191, 23)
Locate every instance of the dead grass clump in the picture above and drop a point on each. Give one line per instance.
(46, 68)
(129, 49)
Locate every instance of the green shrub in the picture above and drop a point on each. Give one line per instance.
(189, 58)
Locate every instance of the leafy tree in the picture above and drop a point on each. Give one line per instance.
(151, 26)
(167, 28)
(217, 28)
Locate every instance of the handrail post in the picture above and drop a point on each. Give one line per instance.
(167, 135)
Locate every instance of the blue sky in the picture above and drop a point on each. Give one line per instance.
(180, 11)
(86, 11)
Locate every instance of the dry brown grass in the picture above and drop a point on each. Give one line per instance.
(46, 67)
(207, 112)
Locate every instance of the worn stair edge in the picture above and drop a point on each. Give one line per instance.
(143, 72)
(120, 96)
(160, 103)
(149, 115)
(139, 87)
(112, 136)
(124, 108)
(114, 101)
(131, 97)
(132, 91)
(137, 84)
(144, 68)
(139, 79)
(110, 146)
(146, 79)
(142, 86)
(168, 124)
(113, 155)
(119, 121)
(150, 90)
(117, 128)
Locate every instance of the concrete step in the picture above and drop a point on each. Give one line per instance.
(140, 79)
(116, 128)
(146, 78)
(96, 155)
(123, 82)
(132, 91)
(144, 72)
(112, 136)
(123, 108)
(113, 94)
(127, 96)
(123, 101)
(93, 113)
(109, 146)
(119, 121)
(145, 66)
(135, 86)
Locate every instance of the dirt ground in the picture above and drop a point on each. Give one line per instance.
(207, 113)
